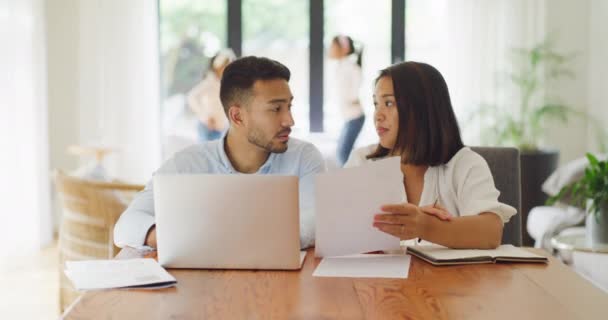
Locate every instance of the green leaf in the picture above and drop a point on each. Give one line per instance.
(554, 111)
(592, 160)
(593, 185)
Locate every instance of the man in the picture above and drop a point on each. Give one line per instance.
(257, 100)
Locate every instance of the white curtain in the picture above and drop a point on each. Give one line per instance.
(469, 42)
(24, 172)
(598, 76)
(119, 83)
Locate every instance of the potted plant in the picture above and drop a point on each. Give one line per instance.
(591, 192)
(522, 124)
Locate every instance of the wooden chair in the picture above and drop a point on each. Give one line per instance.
(89, 211)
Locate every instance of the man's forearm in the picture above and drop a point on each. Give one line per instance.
(133, 226)
(482, 231)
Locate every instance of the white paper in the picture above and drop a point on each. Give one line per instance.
(346, 202)
(107, 274)
(365, 266)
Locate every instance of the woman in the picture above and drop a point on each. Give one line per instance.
(204, 98)
(348, 82)
(450, 192)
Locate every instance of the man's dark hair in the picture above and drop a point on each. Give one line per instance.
(240, 75)
(428, 129)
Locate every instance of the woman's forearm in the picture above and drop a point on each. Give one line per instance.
(482, 231)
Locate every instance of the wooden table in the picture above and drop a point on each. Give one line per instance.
(489, 291)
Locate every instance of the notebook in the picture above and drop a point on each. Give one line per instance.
(110, 274)
(439, 255)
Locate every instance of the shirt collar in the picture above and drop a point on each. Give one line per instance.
(264, 169)
(451, 162)
(222, 154)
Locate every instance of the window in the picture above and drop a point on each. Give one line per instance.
(191, 32)
(369, 24)
(277, 29)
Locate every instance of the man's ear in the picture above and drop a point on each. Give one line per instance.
(235, 115)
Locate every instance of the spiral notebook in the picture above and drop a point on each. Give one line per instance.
(439, 255)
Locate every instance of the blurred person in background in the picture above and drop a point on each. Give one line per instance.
(346, 92)
(204, 98)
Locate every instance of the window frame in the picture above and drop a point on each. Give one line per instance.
(316, 14)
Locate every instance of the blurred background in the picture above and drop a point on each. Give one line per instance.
(99, 90)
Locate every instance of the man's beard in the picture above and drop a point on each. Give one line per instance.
(257, 137)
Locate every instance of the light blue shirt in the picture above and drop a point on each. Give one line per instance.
(301, 159)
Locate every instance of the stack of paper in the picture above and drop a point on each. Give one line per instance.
(109, 274)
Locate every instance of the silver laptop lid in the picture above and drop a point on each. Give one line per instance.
(227, 221)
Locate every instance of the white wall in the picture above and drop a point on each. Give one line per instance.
(103, 84)
(119, 97)
(567, 20)
(598, 69)
(62, 79)
(62, 57)
(581, 28)
(24, 166)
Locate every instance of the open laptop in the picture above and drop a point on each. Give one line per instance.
(227, 221)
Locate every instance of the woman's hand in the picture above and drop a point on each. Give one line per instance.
(437, 211)
(407, 221)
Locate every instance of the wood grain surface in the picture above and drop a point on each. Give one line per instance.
(487, 291)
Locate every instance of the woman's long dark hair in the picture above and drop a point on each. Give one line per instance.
(428, 129)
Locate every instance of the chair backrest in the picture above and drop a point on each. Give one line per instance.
(89, 211)
(504, 164)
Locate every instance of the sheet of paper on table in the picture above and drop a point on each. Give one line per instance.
(365, 266)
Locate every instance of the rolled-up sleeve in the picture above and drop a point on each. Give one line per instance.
(134, 223)
(476, 190)
(312, 163)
